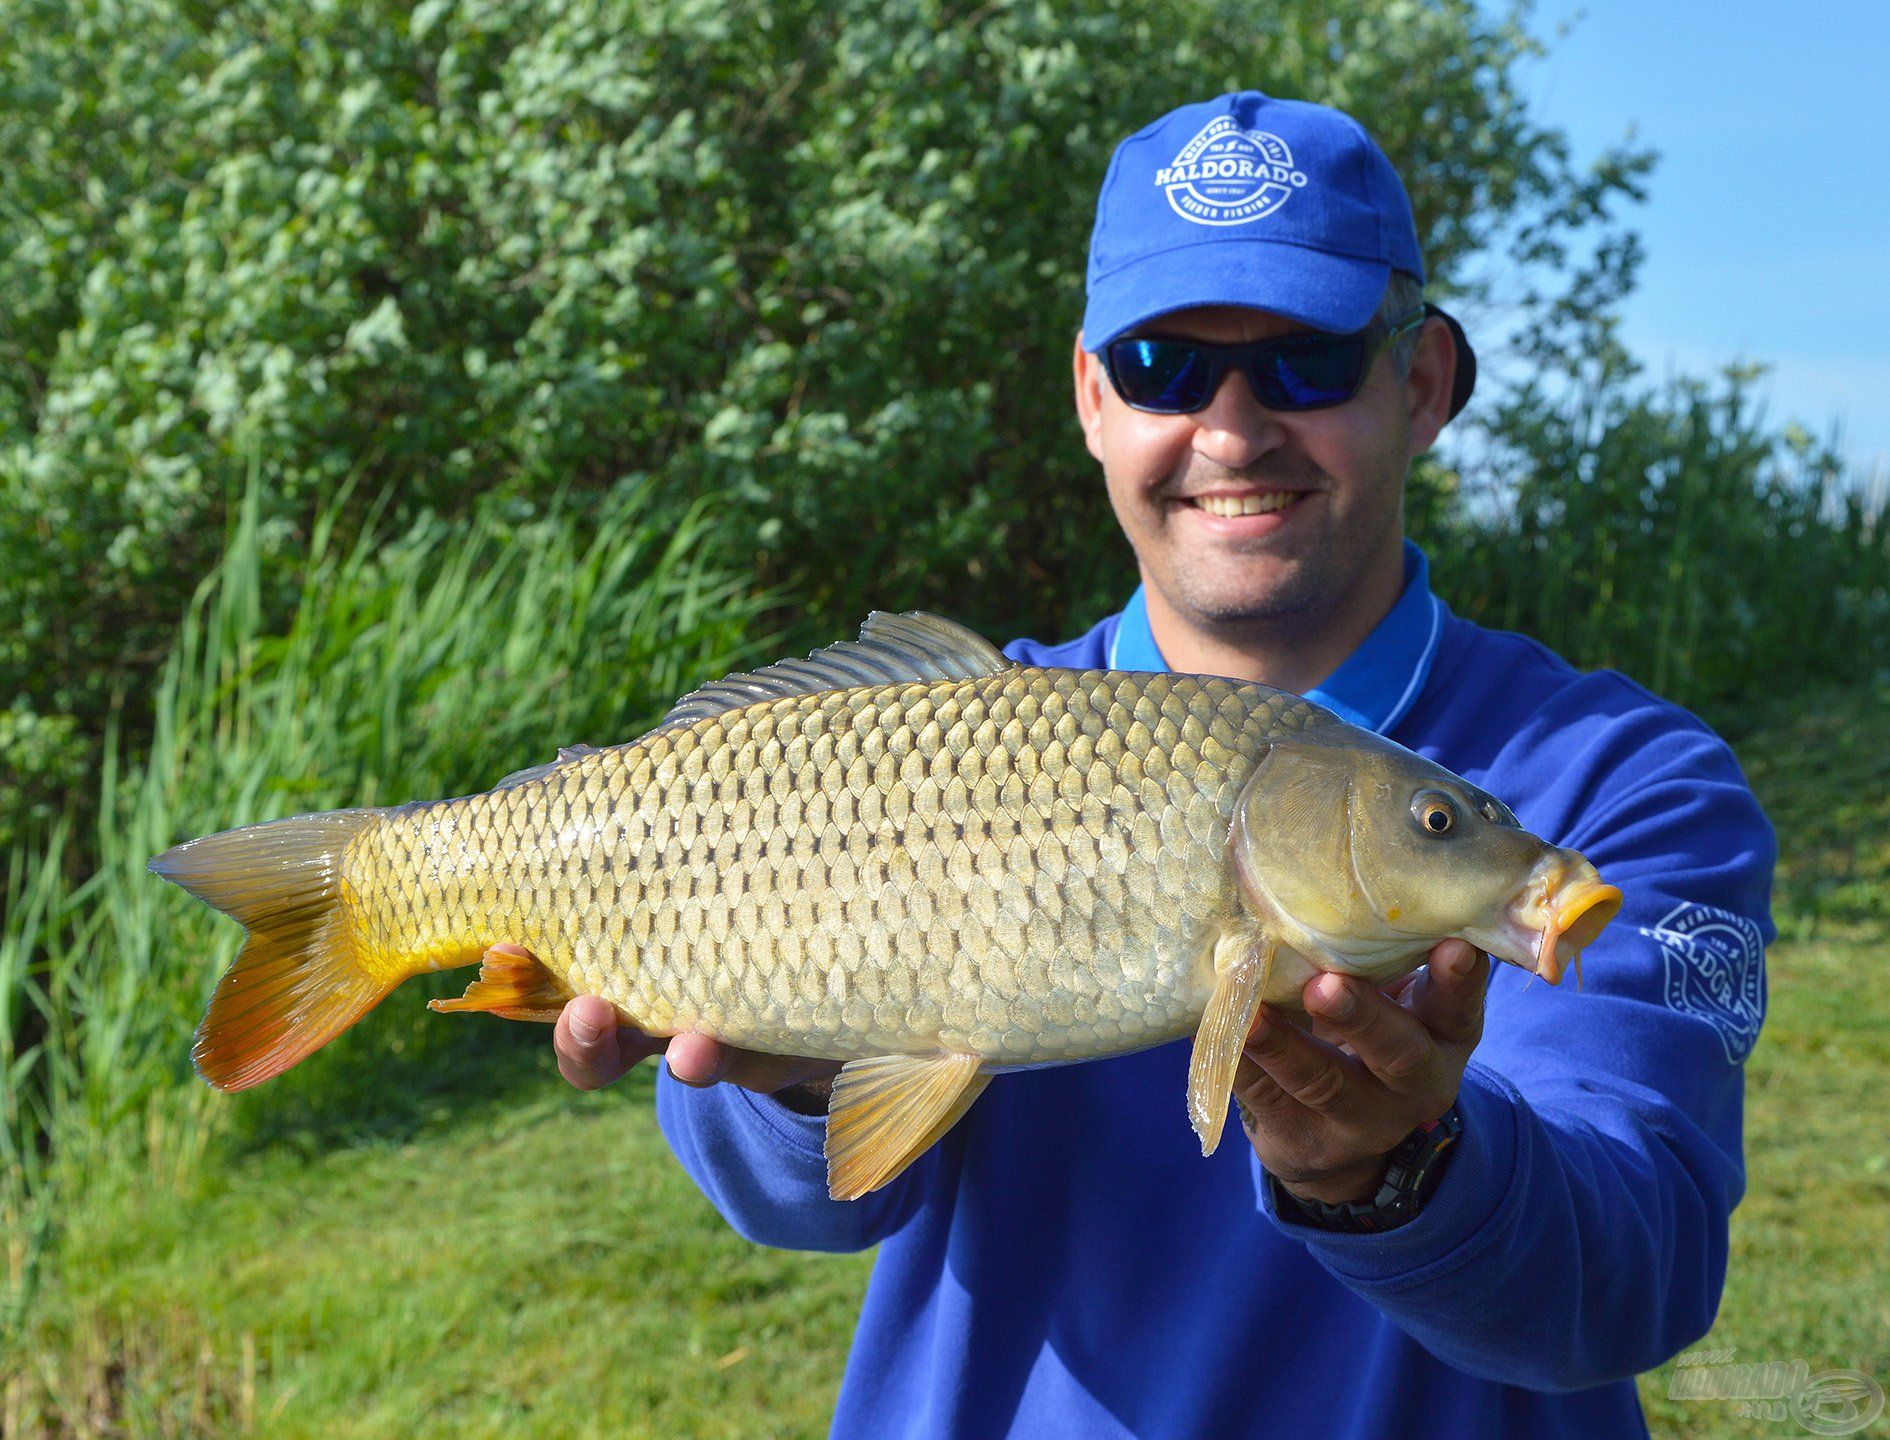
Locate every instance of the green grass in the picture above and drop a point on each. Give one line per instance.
(1673, 532)
(1820, 760)
(536, 1265)
(1806, 1278)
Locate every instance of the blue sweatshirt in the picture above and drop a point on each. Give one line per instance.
(1065, 1263)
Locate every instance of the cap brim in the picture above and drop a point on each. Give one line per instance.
(1328, 292)
(1465, 379)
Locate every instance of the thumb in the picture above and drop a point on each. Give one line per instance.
(1447, 994)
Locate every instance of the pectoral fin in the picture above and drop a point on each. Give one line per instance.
(888, 1110)
(1241, 964)
(513, 983)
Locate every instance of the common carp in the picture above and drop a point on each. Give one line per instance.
(910, 854)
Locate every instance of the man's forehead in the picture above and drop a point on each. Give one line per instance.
(1225, 323)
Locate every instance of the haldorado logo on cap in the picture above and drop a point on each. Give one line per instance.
(1228, 176)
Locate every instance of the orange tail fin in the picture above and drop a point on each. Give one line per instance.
(302, 977)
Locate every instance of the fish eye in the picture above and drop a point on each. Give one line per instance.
(1435, 813)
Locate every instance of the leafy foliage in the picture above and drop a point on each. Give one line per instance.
(818, 264)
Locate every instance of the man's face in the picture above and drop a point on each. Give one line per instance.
(1325, 488)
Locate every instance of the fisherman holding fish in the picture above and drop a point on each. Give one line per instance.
(892, 892)
(1472, 1204)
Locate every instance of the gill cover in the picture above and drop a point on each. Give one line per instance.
(1293, 846)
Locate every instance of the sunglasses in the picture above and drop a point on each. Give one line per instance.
(1295, 372)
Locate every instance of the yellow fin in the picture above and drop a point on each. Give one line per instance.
(1241, 964)
(512, 983)
(888, 1110)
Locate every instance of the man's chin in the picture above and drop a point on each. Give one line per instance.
(1224, 588)
(1236, 607)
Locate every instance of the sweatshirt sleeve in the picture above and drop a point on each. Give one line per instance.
(764, 1168)
(1580, 1232)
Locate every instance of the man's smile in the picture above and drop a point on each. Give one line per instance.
(1244, 512)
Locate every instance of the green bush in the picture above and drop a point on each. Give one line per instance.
(816, 264)
(1671, 532)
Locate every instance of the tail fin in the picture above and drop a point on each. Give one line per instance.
(302, 978)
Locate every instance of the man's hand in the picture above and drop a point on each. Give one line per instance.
(595, 1051)
(1324, 1114)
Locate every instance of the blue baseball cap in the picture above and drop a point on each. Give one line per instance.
(1279, 205)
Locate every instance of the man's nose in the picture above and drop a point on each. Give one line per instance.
(1235, 429)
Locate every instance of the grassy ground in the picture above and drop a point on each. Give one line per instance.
(536, 1267)
(1806, 1280)
(532, 1262)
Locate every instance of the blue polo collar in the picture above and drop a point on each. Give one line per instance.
(1376, 684)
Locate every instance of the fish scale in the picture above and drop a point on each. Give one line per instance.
(891, 869)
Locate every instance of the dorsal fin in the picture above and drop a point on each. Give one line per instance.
(566, 754)
(891, 650)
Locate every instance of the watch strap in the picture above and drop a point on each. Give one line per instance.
(1412, 1173)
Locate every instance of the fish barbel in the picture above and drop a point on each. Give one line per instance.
(910, 854)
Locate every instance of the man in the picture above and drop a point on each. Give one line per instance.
(1447, 1223)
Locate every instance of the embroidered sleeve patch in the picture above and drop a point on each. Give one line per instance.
(1715, 969)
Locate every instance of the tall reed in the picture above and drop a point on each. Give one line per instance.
(419, 665)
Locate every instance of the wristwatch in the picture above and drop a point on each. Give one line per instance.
(1416, 1167)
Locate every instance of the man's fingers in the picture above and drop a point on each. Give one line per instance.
(1305, 1069)
(1447, 994)
(1260, 1102)
(1391, 1042)
(593, 1050)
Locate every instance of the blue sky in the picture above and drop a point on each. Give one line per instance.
(1767, 226)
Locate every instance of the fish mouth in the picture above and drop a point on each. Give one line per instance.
(1581, 913)
(1558, 913)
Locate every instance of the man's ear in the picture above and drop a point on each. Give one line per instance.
(1089, 382)
(1427, 389)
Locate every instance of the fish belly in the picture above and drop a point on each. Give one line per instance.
(1030, 867)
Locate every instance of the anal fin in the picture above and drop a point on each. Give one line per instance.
(512, 983)
(888, 1110)
(1241, 964)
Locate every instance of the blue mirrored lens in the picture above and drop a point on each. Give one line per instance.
(1306, 375)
